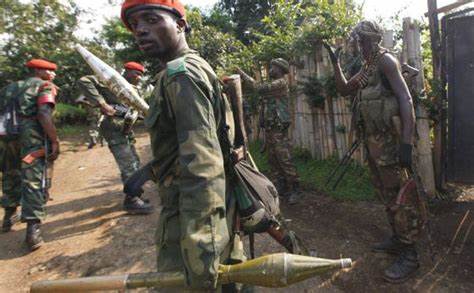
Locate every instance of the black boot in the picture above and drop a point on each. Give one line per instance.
(404, 266)
(33, 235)
(294, 195)
(9, 219)
(390, 245)
(92, 143)
(136, 206)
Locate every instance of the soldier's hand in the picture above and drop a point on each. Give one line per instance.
(334, 55)
(406, 155)
(106, 109)
(54, 151)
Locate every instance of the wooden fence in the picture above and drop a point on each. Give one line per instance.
(327, 132)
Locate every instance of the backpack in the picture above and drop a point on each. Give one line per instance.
(9, 114)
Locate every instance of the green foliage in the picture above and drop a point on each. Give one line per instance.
(317, 89)
(356, 184)
(280, 28)
(69, 114)
(326, 20)
(67, 130)
(246, 16)
(41, 29)
(219, 48)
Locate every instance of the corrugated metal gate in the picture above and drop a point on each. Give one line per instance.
(459, 32)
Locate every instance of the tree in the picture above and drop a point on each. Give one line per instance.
(42, 29)
(246, 15)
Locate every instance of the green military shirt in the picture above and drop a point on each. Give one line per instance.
(185, 121)
(96, 93)
(34, 92)
(275, 95)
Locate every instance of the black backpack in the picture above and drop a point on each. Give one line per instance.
(9, 109)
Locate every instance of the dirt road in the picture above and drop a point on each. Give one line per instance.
(87, 234)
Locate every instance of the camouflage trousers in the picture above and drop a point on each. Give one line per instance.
(177, 255)
(388, 178)
(93, 118)
(279, 158)
(126, 158)
(122, 147)
(34, 197)
(10, 162)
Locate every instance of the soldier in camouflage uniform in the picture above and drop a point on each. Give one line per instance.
(35, 100)
(10, 164)
(94, 119)
(275, 95)
(387, 120)
(189, 141)
(119, 138)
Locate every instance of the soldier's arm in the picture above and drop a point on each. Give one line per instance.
(46, 102)
(247, 78)
(273, 85)
(87, 85)
(343, 86)
(201, 182)
(391, 69)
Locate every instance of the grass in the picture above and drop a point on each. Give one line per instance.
(313, 173)
(68, 130)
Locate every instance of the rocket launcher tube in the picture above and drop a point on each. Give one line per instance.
(274, 271)
(116, 83)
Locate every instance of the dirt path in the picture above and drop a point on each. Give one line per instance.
(87, 234)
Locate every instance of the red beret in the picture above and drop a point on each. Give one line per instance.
(173, 6)
(41, 64)
(134, 66)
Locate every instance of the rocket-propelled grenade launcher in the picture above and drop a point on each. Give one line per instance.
(274, 271)
(114, 81)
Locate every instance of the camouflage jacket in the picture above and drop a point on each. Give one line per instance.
(31, 93)
(275, 97)
(95, 92)
(190, 125)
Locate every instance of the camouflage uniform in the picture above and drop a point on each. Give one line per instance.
(379, 112)
(120, 144)
(277, 119)
(186, 123)
(10, 160)
(32, 138)
(93, 120)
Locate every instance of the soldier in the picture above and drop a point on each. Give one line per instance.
(275, 95)
(190, 144)
(388, 123)
(35, 99)
(94, 119)
(10, 165)
(116, 129)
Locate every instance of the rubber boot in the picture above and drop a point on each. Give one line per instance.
(9, 219)
(136, 206)
(33, 235)
(404, 266)
(390, 245)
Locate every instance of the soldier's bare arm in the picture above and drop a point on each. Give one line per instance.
(391, 69)
(344, 87)
(45, 118)
(201, 181)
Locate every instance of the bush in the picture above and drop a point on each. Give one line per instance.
(69, 114)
